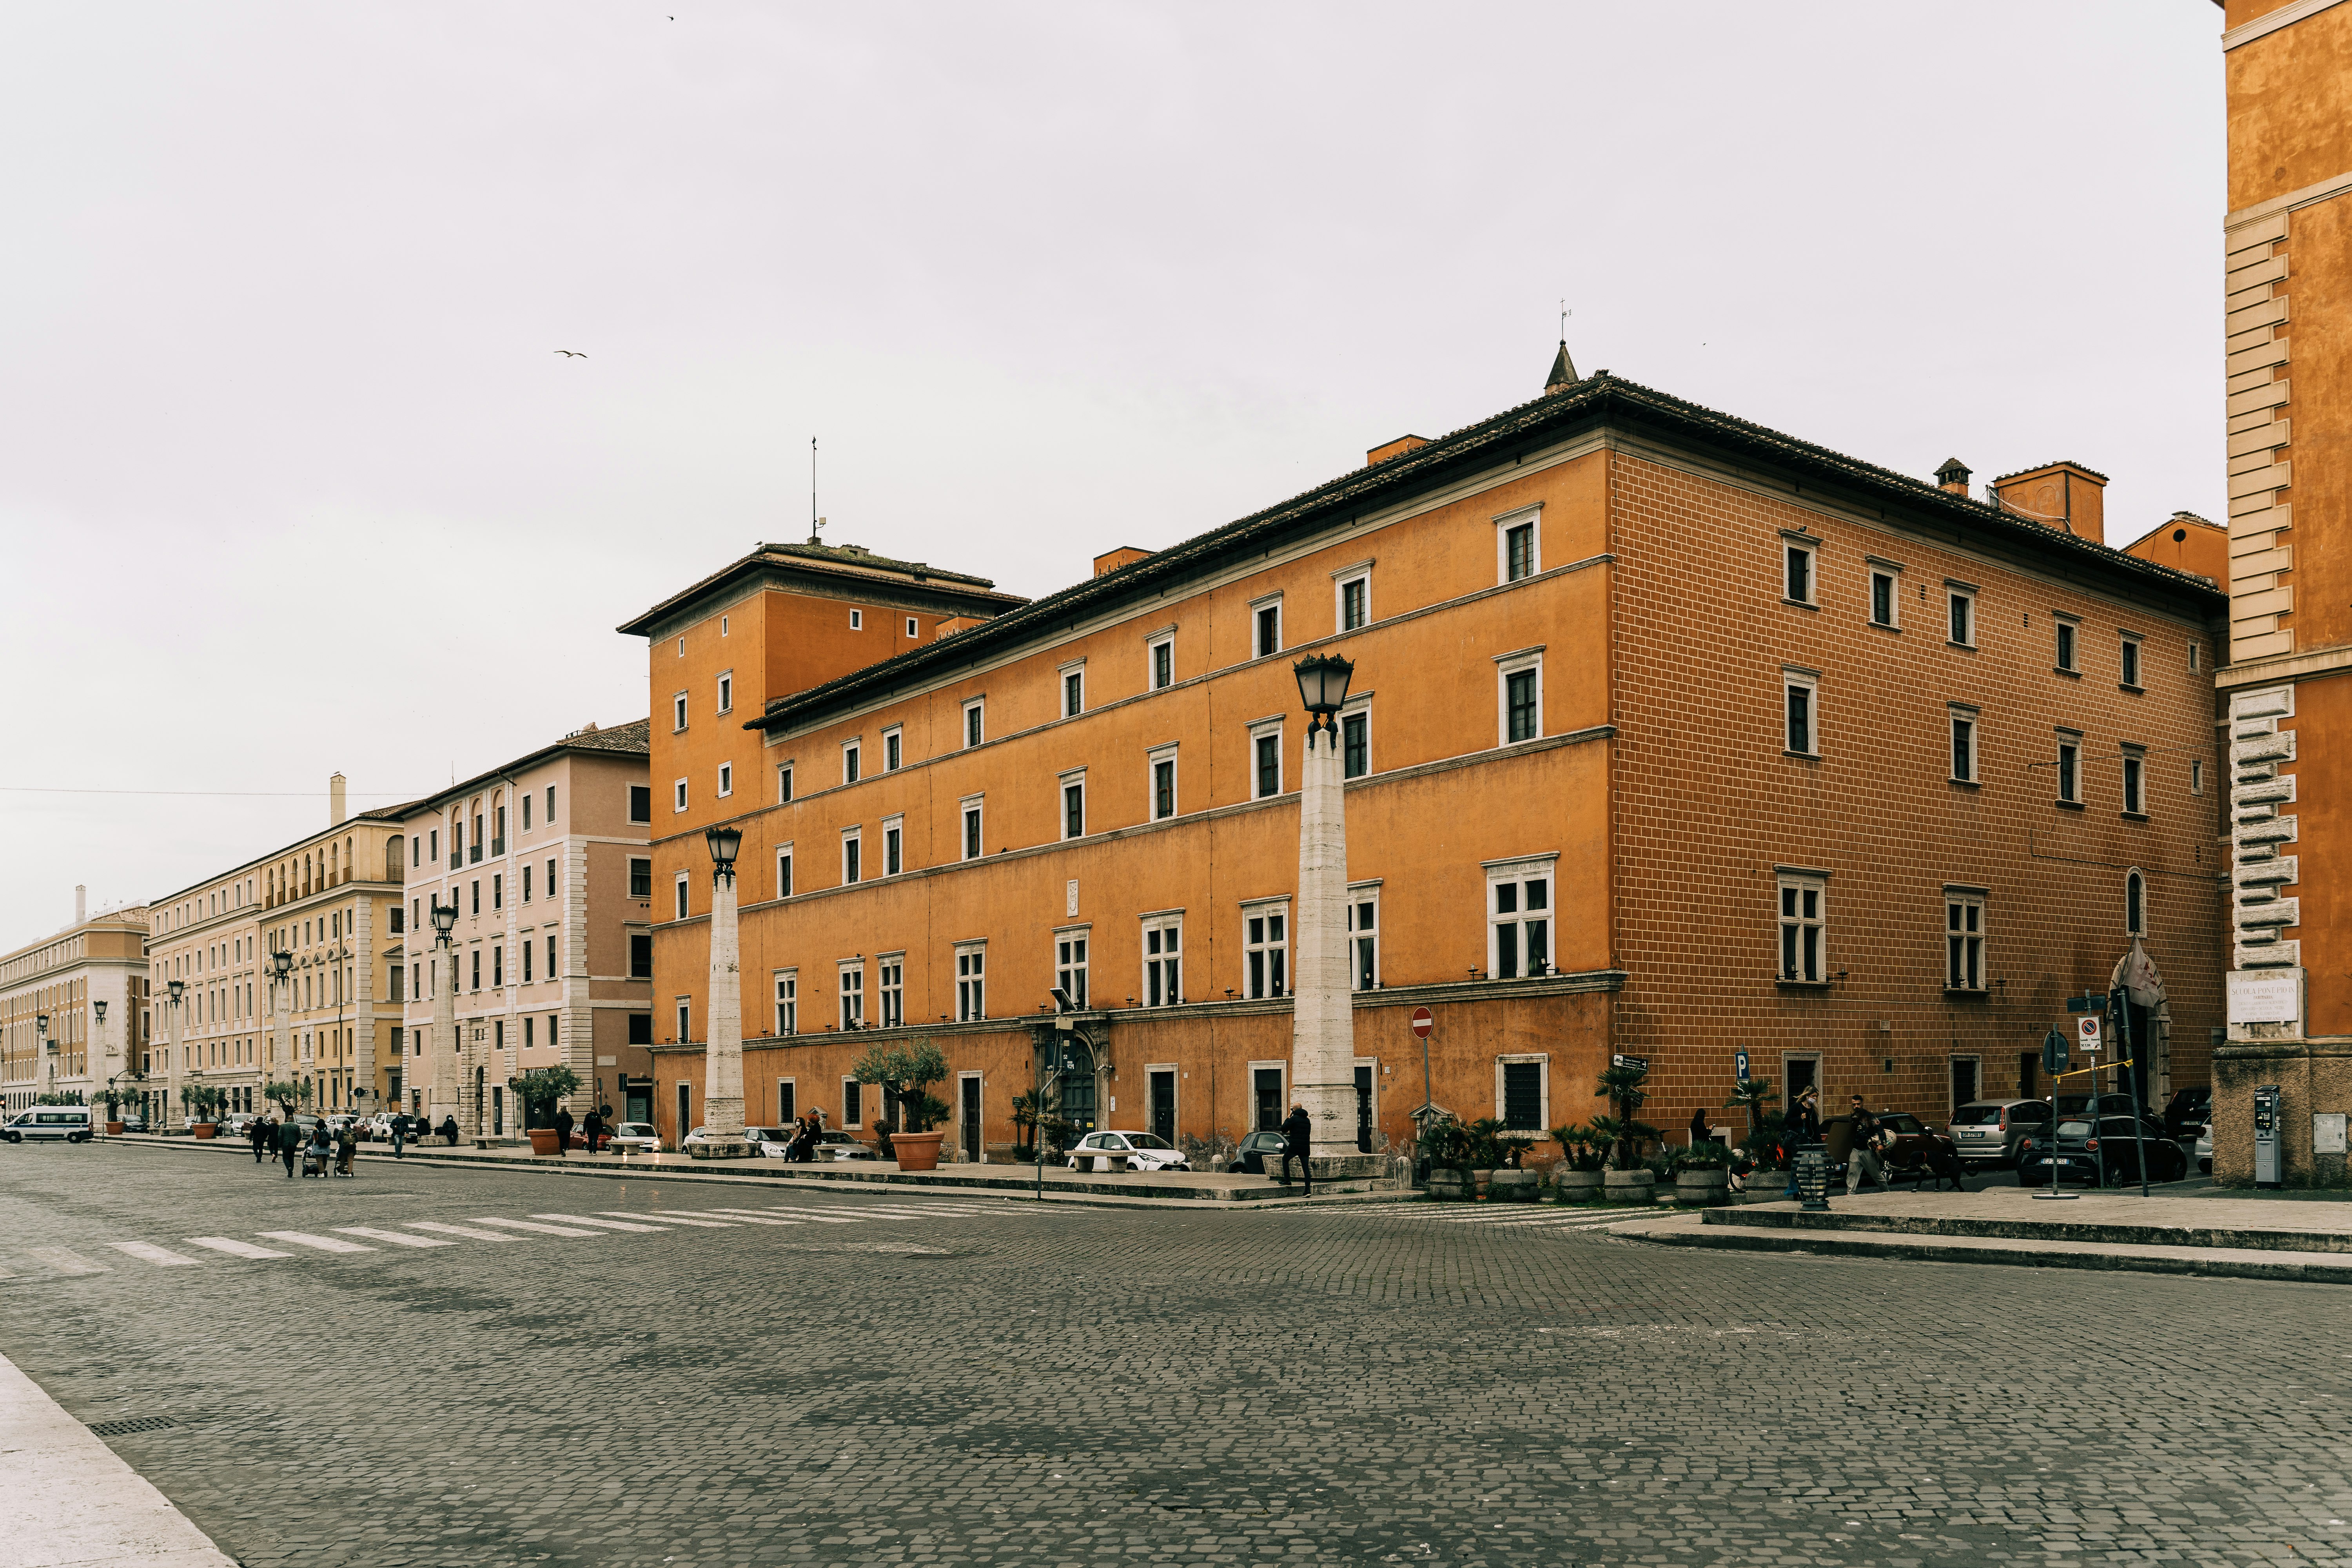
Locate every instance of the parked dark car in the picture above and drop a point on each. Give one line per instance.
(2189, 1109)
(2106, 1155)
(1256, 1150)
(1907, 1147)
(132, 1121)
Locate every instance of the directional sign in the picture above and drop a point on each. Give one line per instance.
(1640, 1064)
(1421, 1023)
(2087, 1032)
(1739, 1065)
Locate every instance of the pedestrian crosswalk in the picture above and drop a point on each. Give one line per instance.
(31, 1264)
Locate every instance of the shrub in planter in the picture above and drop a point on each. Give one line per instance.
(1629, 1186)
(1452, 1153)
(1702, 1174)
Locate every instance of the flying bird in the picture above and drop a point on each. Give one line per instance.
(569, 352)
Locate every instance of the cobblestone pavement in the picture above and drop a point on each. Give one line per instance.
(901, 1379)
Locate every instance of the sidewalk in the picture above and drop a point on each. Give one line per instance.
(1152, 1188)
(2203, 1231)
(72, 1499)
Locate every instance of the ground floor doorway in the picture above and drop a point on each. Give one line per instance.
(1163, 1104)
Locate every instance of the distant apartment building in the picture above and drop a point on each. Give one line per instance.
(330, 902)
(72, 1010)
(545, 862)
(1669, 735)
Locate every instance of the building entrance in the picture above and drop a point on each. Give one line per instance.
(1163, 1104)
(1269, 1082)
(1077, 1091)
(1363, 1109)
(969, 1122)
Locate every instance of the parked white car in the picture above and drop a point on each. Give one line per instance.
(2204, 1155)
(635, 1138)
(1140, 1151)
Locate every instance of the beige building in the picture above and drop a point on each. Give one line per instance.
(71, 1019)
(332, 902)
(547, 862)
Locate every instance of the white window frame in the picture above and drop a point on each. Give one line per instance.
(682, 900)
(2065, 643)
(1262, 730)
(1342, 580)
(1258, 607)
(726, 682)
(784, 870)
(2134, 875)
(974, 723)
(852, 1088)
(1516, 874)
(1892, 574)
(1152, 761)
(726, 780)
(894, 748)
(1358, 709)
(1266, 962)
(850, 835)
(894, 844)
(2133, 778)
(914, 627)
(2131, 661)
(1359, 895)
(1790, 915)
(1508, 665)
(971, 827)
(849, 1000)
(677, 797)
(1075, 779)
(783, 783)
(1795, 678)
(1532, 517)
(853, 761)
(1964, 938)
(1079, 964)
(2196, 775)
(1964, 726)
(1152, 646)
(970, 970)
(1542, 1060)
(1806, 545)
(1157, 968)
(1960, 593)
(677, 713)
(890, 989)
(2070, 790)
(684, 1022)
(787, 1016)
(1076, 669)
(857, 620)
(788, 1086)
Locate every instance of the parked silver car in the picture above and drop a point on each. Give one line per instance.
(2204, 1155)
(1987, 1131)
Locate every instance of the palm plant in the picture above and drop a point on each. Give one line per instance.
(1751, 1094)
(1622, 1086)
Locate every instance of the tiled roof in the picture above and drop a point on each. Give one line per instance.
(1599, 399)
(2059, 463)
(831, 559)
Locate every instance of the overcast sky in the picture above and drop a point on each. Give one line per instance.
(292, 480)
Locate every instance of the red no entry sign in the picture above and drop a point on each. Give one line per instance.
(1421, 1022)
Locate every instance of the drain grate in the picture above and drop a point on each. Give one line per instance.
(131, 1423)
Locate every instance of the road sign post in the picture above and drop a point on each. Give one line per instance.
(1422, 1024)
(2054, 1058)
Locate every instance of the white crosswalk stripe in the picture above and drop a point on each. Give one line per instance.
(398, 1238)
(535, 1226)
(466, 1231)
(321, 1242)
(599, 1224)
(65, 1261)
(148, 1252)
(235, 1248)
(671, 1216)
(732, 1216)
(821, 1216)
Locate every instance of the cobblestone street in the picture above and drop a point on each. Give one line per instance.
(448, 1366)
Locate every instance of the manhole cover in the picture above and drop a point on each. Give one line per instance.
(131, 1423)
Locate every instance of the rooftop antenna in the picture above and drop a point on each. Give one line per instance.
(815, 523)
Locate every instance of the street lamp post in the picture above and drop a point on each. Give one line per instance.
(177, 988)
(445, 1014)
(281, 1042)
(1323, 1025)
(722, 1054)
(41, 1036)
(105, 1058)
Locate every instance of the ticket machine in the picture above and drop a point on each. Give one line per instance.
(2270, 1161)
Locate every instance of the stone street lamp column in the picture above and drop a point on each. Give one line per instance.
(440, 1102)
(1323, 1024)
(41, 1034)
(172, 1060)
(281, 1040)
(722, 1054)
(105, 1068)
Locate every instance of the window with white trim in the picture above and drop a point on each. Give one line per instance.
(971, 980)
(2134, 904)
(681, 895)
(857, 620)
(853, 1101)
(685, 1019)
(726, 779)
(852, 761)
(894, 845)
(1886, 596)
(2135, 780)
(788, 1002)
(783, 783)
(1519, 547)
(1962, 625)
(1160, 662)
(1074, 690)
(1266, 627)
(2068, 636)
(1163, 961)
(1801, 692)
(2129, 655)
(969, 840)
(726, 691)
(1523, 1092)
(1163, 783)
(784, 873)
(890, 974)
(1518, 696)
(2196, 775)
(853, 855)
(1802, 899)
(1364, 938)
(1356, 738)
(1353, 601)
(1074, 804)
(677, 797)
(1797, 559)
(1266, 759)
(1070, 963)
(1963, 720)
(975, 724)
(894, 749)
(677, 712)
(1964, 938)
(1266, 948)
(852, 995)
(2070, 768)
(913, 629)
(1518, 918)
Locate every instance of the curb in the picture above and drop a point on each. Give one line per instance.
(2097, 1235)
(2309, 1269)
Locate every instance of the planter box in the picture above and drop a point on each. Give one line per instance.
(115, 1129)
(544, 1140)
(1515, 1186)
(1699, 1189)
(1448, 1186)
(917, 1151)
(204, 1129)
(1629, 1186)
(1577, 1186)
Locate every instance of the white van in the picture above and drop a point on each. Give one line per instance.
(71, 1122)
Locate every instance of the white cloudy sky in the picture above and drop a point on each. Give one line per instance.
(292, 480)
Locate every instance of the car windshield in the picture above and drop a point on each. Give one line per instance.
(1901, 1123)
(636, 1129)
(1146, 1141)
(1977, 1116)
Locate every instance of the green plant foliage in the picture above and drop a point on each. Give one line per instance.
(284, 1094)
(1703, 1157)
(542, 1088)
(906, 1070)
(1586, 1148)
(1623, 1088)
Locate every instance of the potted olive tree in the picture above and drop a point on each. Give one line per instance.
(542, 1089)
(906, 1070)
(1577, 1178)
(204, 1102)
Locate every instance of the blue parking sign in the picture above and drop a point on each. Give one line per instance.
(1739, 1065)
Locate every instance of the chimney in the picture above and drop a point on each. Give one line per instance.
(2065, 495)
(81, 903)
(1953, 477)
(1111, 561)
(335, 801)
(1396, 448)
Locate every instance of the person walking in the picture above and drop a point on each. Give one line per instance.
(399, 1133)
(1298, 1132)
(562, 1130)
(290, 1144)
(592, 1128)
(347, 1150)
(1862, 1152)
(257, 1134)
(1803, 1126)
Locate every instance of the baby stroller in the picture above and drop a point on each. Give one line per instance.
(314, 1160)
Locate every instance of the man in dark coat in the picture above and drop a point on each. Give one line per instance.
(1802, 1126)
(290, 1144)
(399, 1133)
(563, 1130)
(449, 1131)
(592, 1128)
(1299, 1131)
(258, 1133)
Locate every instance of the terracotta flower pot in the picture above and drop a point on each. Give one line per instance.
(542, 1141)
(917, 1151)
(115, 1129)
(204, 1129)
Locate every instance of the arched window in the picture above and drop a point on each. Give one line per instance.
(2134, 904)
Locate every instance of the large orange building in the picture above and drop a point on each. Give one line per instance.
(2287, 286)
(1669, 734)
